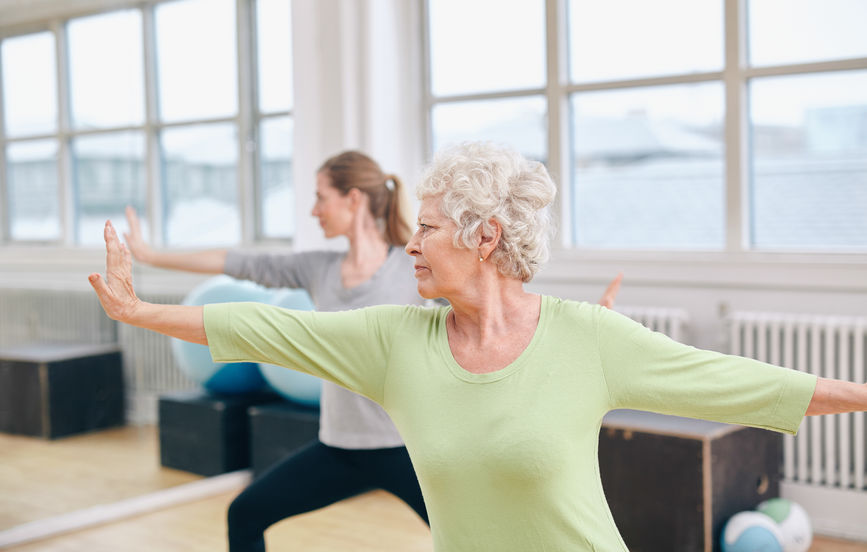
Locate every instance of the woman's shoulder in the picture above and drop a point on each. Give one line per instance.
(412, 318)
(570, 306)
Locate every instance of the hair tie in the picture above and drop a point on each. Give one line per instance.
(389, 183)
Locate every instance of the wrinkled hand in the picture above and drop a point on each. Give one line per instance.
(610, 294)
(136, 243)
(115, 291)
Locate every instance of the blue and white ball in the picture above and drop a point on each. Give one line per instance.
(294, 386)
(195, 360)
(751, 532)
(793, 522)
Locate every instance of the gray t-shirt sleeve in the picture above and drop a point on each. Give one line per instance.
(294, 270)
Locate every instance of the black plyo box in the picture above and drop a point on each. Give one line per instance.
(279, 429)
(206, 434)
(52, 390)
(672, 482)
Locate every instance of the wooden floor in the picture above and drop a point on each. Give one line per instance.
(39, 479)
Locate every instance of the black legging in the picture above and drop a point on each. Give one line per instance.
(314, 477)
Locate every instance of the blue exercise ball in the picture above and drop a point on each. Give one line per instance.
(751, 532)
(294, 386)
(195, 361)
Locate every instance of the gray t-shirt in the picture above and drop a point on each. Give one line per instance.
(347, 420)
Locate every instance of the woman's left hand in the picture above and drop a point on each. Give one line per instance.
(610, 294)
(115, 291)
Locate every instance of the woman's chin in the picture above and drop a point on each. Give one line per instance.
(426, 292)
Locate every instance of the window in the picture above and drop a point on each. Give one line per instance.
(106, 45)
(109, 173)
(808, 129)
(34, 206)
(198, 79)
(647, 167)
(809, 169)
(200, 167)
(639, 106)
(487, 74)
(108, 166)
(29, 85)
(30, 113)
(146, 116)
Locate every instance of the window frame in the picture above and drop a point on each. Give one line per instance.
(246, 120)
(734, 76)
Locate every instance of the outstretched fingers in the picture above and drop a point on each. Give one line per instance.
(115, 291)
(137, 245)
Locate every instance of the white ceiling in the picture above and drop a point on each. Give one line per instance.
(23, 12)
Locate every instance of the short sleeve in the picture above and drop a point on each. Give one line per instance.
(349, 348)
(646, 370)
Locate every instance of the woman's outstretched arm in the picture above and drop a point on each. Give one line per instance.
(209, 261)
(836, 396)
(118, 298)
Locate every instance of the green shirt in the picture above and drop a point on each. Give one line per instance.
(507, 460)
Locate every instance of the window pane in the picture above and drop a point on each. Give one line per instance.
(517, 122)
(200, 165)
(274, 24)
(196, 59)
(34, 212)
(486, 45)
(29, 85)
(648, 167)
(626, 39)
(109, 175)
(801, 31)
(809, 143)
(105, 70)
(278, 194)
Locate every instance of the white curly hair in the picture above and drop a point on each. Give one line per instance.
(480, 181)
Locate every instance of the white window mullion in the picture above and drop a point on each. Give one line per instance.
(153, 159)
(65, 184)
(558, 126)
(5, 212)
(737, 232)
(427, 95)
(246, 121)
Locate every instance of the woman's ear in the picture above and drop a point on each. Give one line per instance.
(356, 197)
(489, 239)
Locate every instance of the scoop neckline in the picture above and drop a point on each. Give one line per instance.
(471, 377)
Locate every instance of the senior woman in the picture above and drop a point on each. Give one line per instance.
(500, 395)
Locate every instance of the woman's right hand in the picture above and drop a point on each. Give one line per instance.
(136, 243)
(115, 291)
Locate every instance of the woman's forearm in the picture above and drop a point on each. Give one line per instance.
(211, 261)
(181, 321)
(836, 396)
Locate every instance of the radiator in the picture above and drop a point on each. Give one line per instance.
(149, 367)
(32, 316)
(671, 322)
(826, 460)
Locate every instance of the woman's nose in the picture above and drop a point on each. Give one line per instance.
(412, 246)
